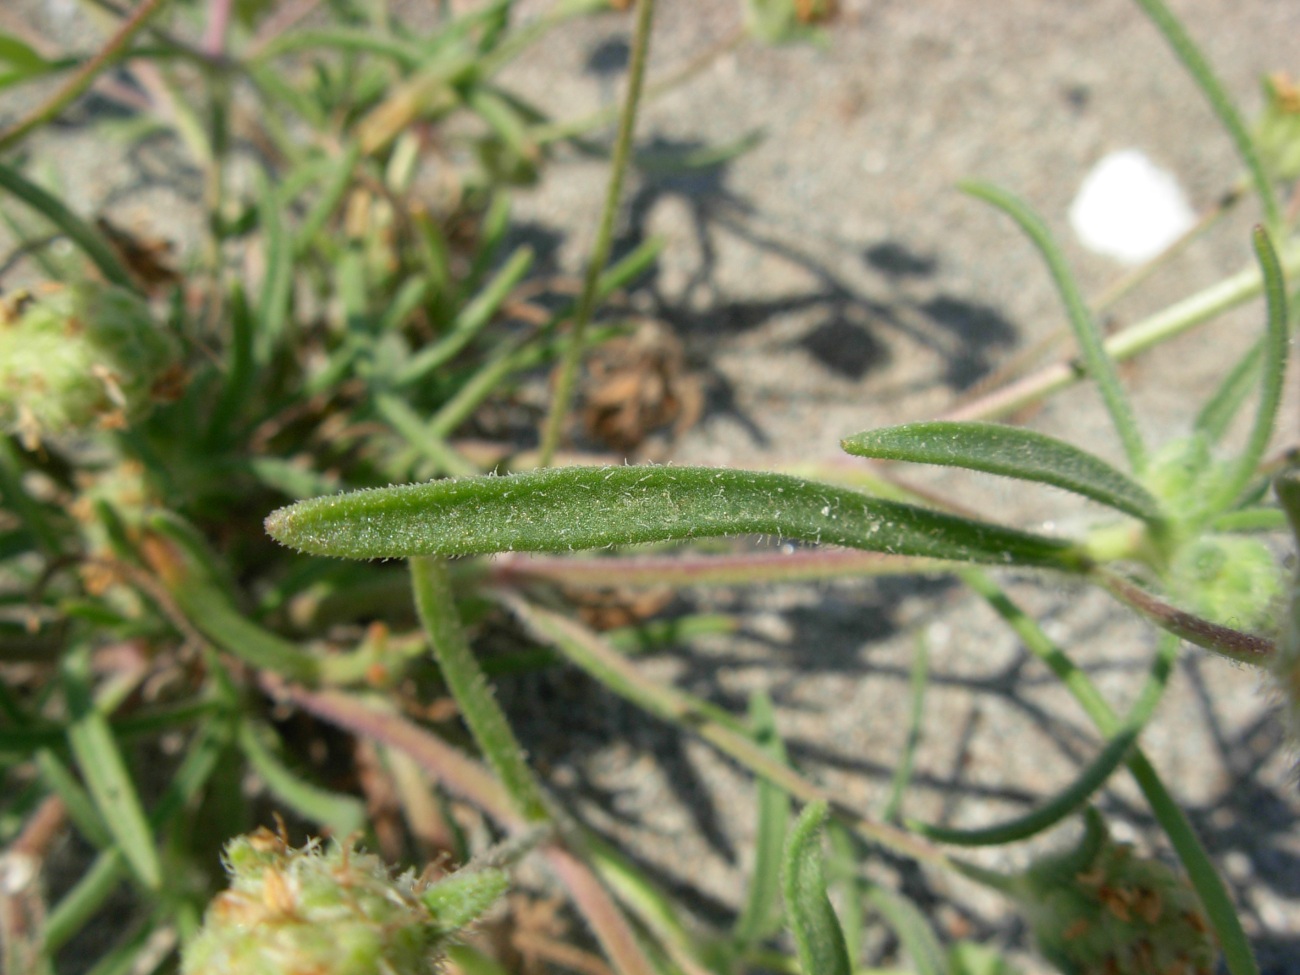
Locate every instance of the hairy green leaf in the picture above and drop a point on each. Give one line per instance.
(1012, 452)
(817, 932)
(591, 507)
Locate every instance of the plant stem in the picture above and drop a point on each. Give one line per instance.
(1187, 51)
(604, 235)
(85, 76)
(487, 722)
(1206, 881)
(1163, 325)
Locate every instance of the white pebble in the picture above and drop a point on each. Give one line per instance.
(1129, 208)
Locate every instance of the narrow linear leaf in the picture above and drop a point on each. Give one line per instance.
(277, 285)
(470, 321)
(1220, 409)
(913, 930)
(106, 775)
(1199, 68)
(1272, 377)
(343, 814)
(755, 920)
(817, 933)
(431, 586)
(1100, 365)
(591, 507)
(995, 448)
(1073, 797)
(99, 879)
(90, 240)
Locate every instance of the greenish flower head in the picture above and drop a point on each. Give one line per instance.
(1102, 910)
(336, 911)
(88, 355)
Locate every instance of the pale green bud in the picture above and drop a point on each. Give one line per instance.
(77, 357)
(1102, 910)
(313, 911)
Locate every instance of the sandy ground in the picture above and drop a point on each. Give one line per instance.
(832, 279)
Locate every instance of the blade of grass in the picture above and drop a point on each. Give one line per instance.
(1271, 385)
(277, 280)
(1100, 366)
(1199, 68)
(1072, 798)
(913, 930)
(906, 761)
(85, 76)
(98, 881)
(86, 237)
(470, 321)
(341, 814)
(108, 781)
(1206, 881)
(604, 236)
(80, 807)
(758, 917)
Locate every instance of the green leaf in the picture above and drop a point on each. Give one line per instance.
(1012, 452)
(968, 958)
(277, 283)
(1096, 358)
(913, 930)
(19, 61)
(1272, 377)
(817, 933)
(107, 778)
(90, 240)
(591, 507)
(342, 814)
(755, 920)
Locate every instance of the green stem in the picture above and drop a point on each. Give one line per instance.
(1186, 50)
(1160, 327)
(1209, 887)
(487, 722)
(77, 85)
(604, 235)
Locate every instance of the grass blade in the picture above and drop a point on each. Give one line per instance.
(592, 507)
(757, 917)
(277, 283)
(817, 933)
(913, 930)
(1276, 344)
(471, 320)
(342, 814)
(90, 240)
(1100, 366)
(106, 775)
(1219, 410)
(1072, 798)
(1011, 452)
(1199, 68)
